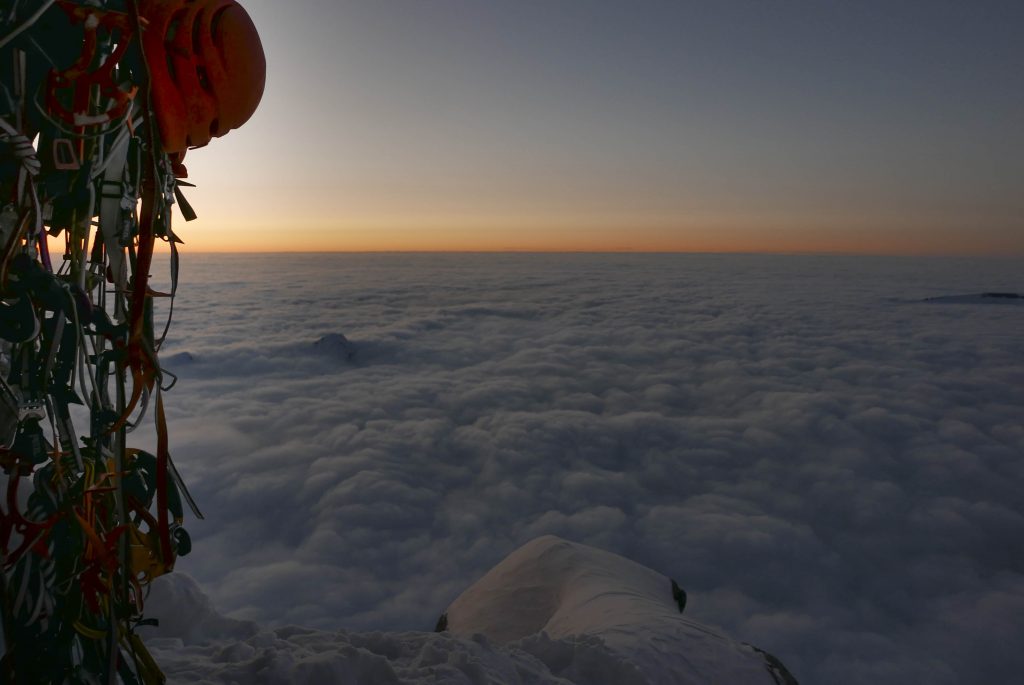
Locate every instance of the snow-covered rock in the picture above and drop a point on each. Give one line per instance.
(552, 613)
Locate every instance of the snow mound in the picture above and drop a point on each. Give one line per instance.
(552, 613)
(577, 594)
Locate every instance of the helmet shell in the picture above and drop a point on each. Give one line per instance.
(206, 68)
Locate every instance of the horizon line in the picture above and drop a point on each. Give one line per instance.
(780, 253)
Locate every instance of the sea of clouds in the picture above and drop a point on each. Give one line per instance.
(831, 466)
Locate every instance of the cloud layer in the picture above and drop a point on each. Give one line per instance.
(829, 465)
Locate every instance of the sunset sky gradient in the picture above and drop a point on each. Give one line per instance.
(603, 125)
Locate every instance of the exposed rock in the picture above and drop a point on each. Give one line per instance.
(337, 343)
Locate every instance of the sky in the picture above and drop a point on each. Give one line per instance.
(828, 461)
(610, 126)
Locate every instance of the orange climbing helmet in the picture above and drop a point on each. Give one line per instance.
(206, 68)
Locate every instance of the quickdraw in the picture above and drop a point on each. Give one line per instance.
(99, 101)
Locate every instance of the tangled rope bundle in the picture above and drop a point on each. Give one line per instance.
(99, 101)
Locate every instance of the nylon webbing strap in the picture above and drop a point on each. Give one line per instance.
(111, 213)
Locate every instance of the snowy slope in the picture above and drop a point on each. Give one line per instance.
(552, 612)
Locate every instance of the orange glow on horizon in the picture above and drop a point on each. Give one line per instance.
(574, 237)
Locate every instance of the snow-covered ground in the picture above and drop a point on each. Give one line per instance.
(828, 463)
(552, 612)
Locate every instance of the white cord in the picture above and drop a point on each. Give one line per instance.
(28, 22)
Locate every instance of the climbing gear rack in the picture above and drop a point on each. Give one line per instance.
(91, 148)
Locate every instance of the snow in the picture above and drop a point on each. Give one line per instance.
(552, 612)
(568, 591)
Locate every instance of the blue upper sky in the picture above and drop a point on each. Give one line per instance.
(415, 124)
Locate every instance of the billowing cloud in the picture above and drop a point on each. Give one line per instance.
(829, 465)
